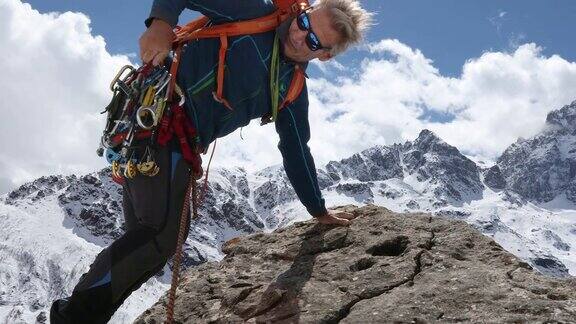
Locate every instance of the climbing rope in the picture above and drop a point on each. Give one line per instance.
(190, 195)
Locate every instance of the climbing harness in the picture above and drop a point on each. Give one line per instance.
(200, 28)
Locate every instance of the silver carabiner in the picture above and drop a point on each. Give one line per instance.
(122, 70)
(146, 118)
(162, 84)
(181, 94)
(117, 123)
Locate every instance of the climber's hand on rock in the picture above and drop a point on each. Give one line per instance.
(336, 217)
(156, 42)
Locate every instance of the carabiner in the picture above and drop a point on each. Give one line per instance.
(146, 118)
(181, 94)
(130, 171)
(149, 96)
(122, 70)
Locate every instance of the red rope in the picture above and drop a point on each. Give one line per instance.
(181, 238)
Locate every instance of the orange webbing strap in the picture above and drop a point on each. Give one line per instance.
(296, 86)
(191, 26)
(197, 30)
(221, 65)
(177, 46)
(253, 26)
(173, 72)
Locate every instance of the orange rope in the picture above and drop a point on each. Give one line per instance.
(181, 238)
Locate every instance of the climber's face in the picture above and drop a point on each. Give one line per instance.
(310, 36)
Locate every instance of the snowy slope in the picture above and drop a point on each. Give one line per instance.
(44, 251)
(51, 229)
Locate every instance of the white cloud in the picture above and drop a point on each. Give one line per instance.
(328, 66)
(55, 78)
(498, 98)
(54, 81)
(516, 39)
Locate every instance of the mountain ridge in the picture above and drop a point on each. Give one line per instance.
(428, 175)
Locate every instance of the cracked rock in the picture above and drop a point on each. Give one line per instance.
(385, 267)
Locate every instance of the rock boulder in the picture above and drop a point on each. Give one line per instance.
(385, 267)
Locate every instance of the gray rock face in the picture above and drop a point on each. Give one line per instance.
(38, 189)
(275, 190)
(493, 178)
(564, 118)
(93, 203)
(373, 164)
(226, 201)
(385, 267)
(557, 241)
(550, 266)
(454, 177)
(543, 167)
(360, 191)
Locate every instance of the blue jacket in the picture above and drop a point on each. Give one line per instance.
(246, 87)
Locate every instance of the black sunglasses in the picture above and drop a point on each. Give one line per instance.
(312, 40)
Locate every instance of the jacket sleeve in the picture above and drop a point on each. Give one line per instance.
(219, 11)
(294, 130)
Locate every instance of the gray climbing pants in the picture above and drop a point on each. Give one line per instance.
(152, 211)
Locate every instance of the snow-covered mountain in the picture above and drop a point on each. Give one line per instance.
(428, 166)
(544, 167)
(52, 228)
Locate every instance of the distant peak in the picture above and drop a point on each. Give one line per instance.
(426, 132)
(564, 117)
(427, 137)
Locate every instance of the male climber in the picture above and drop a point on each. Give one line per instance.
(153, 205)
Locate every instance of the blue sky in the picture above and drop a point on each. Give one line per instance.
(479, 74)
(447, 31)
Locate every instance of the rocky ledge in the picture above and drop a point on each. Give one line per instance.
(385, 267)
